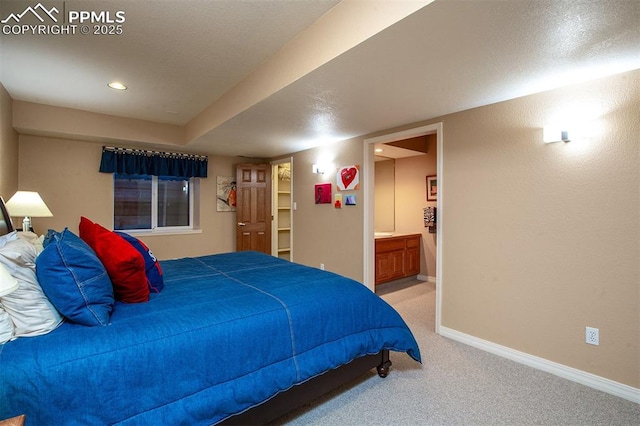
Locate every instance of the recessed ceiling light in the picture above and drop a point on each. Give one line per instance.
(378, 149)
(117, 85)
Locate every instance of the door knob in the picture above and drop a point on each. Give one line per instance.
(241, 224)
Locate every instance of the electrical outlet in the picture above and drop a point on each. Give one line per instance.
(593, 336)
(322, 266)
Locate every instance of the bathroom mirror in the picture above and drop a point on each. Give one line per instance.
(384, 194)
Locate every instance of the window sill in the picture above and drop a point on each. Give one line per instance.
(162, 233)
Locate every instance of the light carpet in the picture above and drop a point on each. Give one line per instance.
(458, 385)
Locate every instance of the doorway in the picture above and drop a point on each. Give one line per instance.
(282, 192)
(368, 222)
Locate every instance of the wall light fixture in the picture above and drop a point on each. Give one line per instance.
(318, 169)
(554, 133)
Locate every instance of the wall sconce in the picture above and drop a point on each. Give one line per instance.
(551, 134)
(322, 168)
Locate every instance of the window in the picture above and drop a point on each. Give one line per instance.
(155, 203)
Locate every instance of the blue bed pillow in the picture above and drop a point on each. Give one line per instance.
(151, 264)
(74, 279)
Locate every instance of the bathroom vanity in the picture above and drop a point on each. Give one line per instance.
(397, 256)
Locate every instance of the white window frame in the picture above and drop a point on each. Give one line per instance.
(193, 227)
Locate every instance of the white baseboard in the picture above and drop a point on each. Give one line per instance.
(427, 278)
(591, 380)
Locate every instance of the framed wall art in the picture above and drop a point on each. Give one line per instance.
(226, 194)
(350, 200)
(432, 188)
(322, 193)
(348, 178)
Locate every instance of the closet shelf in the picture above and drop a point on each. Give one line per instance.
(282, 213)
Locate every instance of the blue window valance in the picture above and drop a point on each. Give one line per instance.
(142, 162)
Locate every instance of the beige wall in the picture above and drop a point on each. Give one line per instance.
(38, 119)
(539, 240)
(542, 240)
(322, 233)
(8, 147)
(411, 173)
(65, 173)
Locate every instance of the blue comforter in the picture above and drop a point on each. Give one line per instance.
(228, 332)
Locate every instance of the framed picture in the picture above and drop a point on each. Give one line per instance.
(348, 178)
(322, 193)
(432, 188)
(350, 200)
(226, 194)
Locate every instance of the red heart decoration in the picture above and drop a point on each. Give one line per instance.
(348, 175)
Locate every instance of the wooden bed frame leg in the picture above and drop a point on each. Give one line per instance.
(383, 368)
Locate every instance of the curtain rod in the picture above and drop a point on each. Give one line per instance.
(149, 152)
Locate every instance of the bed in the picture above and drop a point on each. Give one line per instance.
(233, 338)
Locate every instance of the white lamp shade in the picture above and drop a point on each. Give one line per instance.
(28, 203)
(7, 282)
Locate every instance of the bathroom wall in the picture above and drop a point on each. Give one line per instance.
(411, 199)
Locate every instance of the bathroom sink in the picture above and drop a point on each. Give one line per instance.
(382, 234)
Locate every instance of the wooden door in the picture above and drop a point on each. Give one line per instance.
(253, 210)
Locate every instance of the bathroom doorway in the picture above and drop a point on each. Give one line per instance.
(369, 204)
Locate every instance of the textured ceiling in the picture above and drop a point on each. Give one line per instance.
(180, 57)
(177, 57)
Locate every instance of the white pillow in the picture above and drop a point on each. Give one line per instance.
(30, 310)
(34, 239)
(8, 284)
(13, 235)
(6, 326)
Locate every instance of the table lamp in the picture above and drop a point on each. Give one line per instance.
(28, 204)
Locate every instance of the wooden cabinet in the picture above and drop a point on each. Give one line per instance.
(412, 255)
(397, 257)
(390, 254)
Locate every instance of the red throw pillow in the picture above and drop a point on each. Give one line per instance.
(87, 232)
(124, 264)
